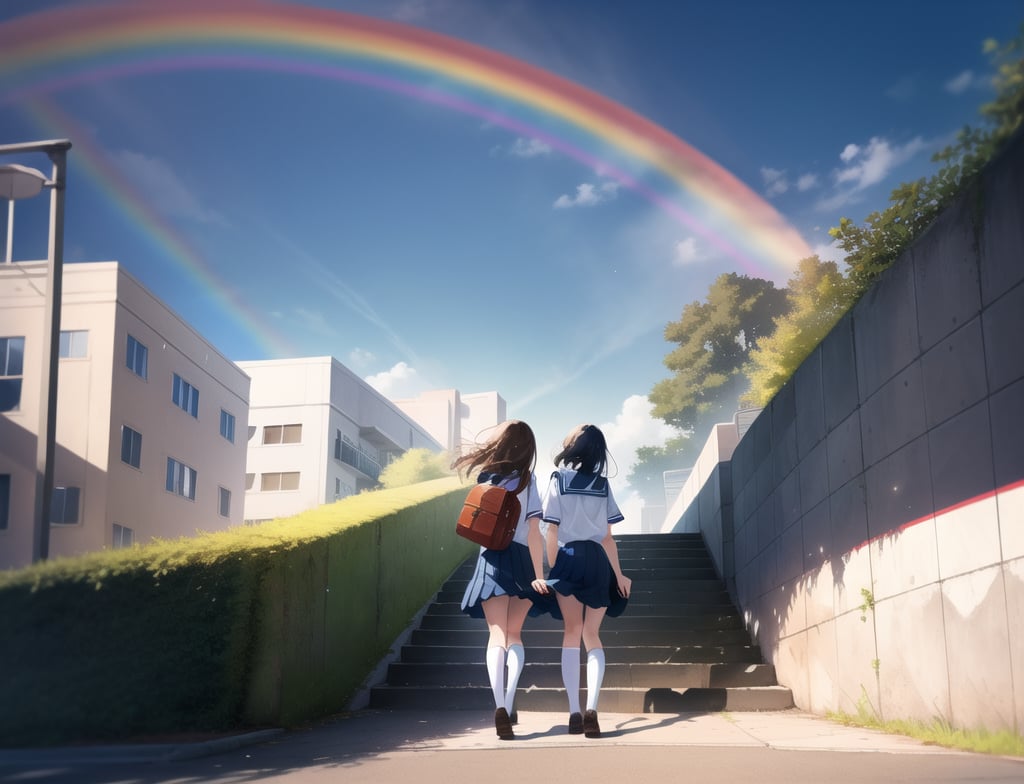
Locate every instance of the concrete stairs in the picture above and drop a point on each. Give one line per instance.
(679, 647)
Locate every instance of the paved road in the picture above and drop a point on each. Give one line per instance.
(456, 747)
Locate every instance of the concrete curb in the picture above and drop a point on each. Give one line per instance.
(132, 753)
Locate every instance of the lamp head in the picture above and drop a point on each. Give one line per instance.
(20, 182)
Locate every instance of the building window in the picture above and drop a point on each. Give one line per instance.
(123, 537)
(137, 358)
(181, 479)
(286, 480)
(74, 343)
(5, 500)
(282, 434)
(185, 396)
(131, 446)
(249, 479)
(12, 355)
(224, 502)
(227, 425)
(64, 505)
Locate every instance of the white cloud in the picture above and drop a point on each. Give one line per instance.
(806, 182)
(401, 381)
(849, 152)
(588, 195)
(162, 187)
(903, 90)
(872, 164)
(685, 252)
(830, 252)
(961, 83)
(775, 181)
(529, 148)
(359, 358)
(632, 428)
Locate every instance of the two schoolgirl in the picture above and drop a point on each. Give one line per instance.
(585, 579)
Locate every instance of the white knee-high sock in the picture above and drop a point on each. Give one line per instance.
(516, 661)
(496, 673)
(595, 675)
(571, 677)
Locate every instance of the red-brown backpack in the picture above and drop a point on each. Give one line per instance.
(490, 515)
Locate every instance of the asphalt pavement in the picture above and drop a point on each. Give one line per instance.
(450, 747)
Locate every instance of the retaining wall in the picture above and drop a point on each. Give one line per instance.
(871, 524)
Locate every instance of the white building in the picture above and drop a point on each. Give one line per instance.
(150, 433)
(455, 419)
(317, 433)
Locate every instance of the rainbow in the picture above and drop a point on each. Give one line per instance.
(49, 51)
(121, 192)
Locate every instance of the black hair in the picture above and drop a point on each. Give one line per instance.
(585, 450)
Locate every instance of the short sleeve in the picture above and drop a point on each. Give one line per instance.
(552, 506)
(533, 500)
(614, 515)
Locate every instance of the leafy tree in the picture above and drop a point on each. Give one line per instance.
(871, 248)
(819, 294)
(416, 465)
(715, 338)
(647, 474)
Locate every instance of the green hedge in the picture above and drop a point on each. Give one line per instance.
(257, 626)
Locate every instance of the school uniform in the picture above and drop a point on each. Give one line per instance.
(582, 506)
(508, 571)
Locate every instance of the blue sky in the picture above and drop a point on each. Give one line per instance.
(428, 249)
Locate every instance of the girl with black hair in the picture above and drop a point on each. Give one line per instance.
(585, 575)
(505, 585)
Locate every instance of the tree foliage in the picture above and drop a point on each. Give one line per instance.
(873, 247)
(819, 294)
(647, 474)
(746, 333)
(416, 465)
(714, 339)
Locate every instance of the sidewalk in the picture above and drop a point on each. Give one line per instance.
(369, 731)
(453, 747)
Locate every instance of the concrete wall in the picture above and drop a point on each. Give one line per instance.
(878, 501)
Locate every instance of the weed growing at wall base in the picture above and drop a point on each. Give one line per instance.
(937, 732)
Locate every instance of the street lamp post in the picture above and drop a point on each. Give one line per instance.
(21, 182)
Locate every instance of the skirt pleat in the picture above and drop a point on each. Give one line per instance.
(504, 572)
(582, 569)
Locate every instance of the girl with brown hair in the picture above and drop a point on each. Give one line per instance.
(505, 586)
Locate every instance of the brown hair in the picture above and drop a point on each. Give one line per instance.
(511, 451)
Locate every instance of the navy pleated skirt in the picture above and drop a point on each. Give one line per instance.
(582, 569)
(508, 571)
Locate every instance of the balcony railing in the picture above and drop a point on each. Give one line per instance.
(357, 458)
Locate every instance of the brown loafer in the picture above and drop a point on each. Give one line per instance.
(575, 724)
(503, 725)
(590, 726)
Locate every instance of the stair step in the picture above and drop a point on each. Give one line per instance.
(682, 675)
(680, 646)
(636, 608)
(551, 654)
(627, 621)
(638, 639)
(613, 700)
(638, 596)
